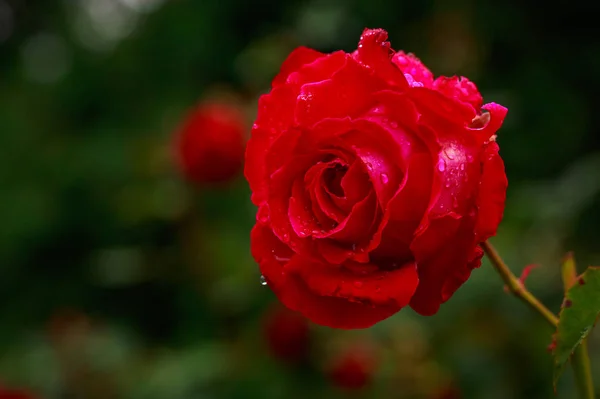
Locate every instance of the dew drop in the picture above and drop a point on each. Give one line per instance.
(263, 280)
(369, 165)
(455, 202)
(394, 124)
(353, 246)
(470, 158)
(447, 183)
(286, 237)
(384, 178)
(442, 165)
(462, 166)
(449, 153)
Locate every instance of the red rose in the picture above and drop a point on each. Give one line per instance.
(287, 334)
(374, 183)
(210, 144)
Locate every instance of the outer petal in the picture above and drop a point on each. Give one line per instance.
(449, 110)
(409, 64)
(493, 121)
(298, 58)
(375, 53)
(461, 89)
(461, 275)
(346, 93)
(492, 193)
(273, 256)
(380, 288)
(275, 115)
(448, 264)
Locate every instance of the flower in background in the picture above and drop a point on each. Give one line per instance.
(287, 334)
(375, 183)
(210, 143)
(6, 393)
(353, 368)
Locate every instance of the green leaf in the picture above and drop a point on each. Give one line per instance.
(577, 317)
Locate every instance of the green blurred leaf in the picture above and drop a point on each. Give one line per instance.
(577, 317)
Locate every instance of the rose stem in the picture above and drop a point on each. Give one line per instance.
(515, 285)
(580, 359)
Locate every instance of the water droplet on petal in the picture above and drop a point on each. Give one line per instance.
(369, 165)
(358, 284)
(447, 183)
(286, 237)
(470, 158)
(263, 280)
(449, 153)
(462, 166)
(441, 165)
(394, 124)
(384, 178)
(354, 246)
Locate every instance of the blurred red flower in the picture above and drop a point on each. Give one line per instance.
(6, 393)
(210, 143)
(287, 334)
(353, 368)
(375, 183)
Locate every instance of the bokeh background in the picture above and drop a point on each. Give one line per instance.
(121, 279)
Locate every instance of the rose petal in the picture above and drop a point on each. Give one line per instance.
(383, 287)
(279, 193)
(492, 193)
(374, 52)
(405, 210)
(345, 94)
(497, 113)
(380, 156)
(273, 118)
(298, 58)
(450, 263)
(356, 225)
(321, 199)
(411, 65)
(322, 68)
(272, 256)
(447, 110)
(461, 89)
(460, 276)
(356, 183)
(300, 213)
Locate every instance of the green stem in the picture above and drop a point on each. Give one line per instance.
(580, 359)
(583, 371)
(516, 286)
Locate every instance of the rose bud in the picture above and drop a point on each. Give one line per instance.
(374, 182)
(353, 369)
(210, 143)
(287, 334)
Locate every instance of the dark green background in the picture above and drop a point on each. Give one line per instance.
(149, 280)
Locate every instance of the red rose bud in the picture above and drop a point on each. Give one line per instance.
(210, 144)
(287, 334)
(354, 368)
(374, 182)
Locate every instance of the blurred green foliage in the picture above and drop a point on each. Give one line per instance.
(119, 280)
